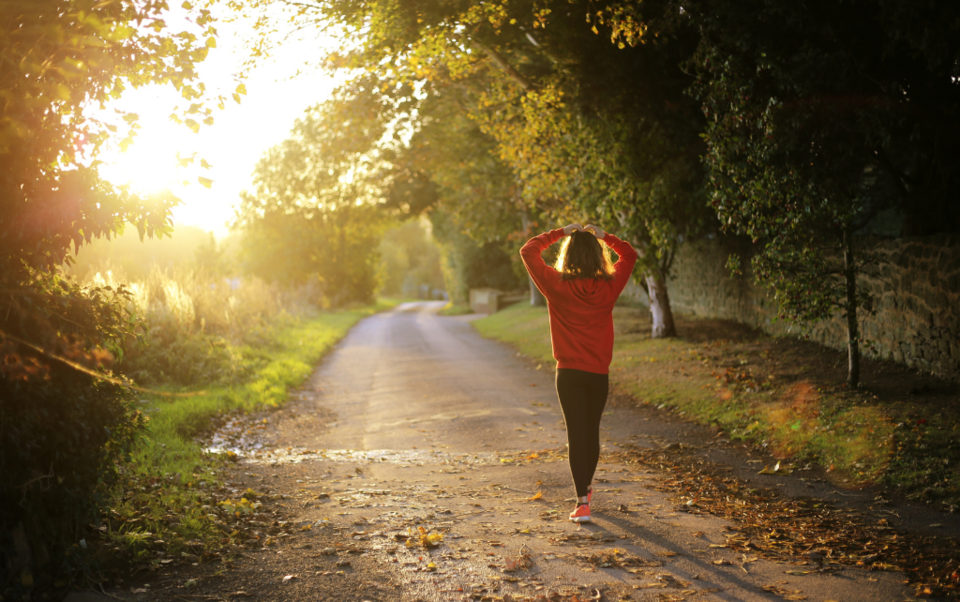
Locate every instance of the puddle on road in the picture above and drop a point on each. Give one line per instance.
(256, 454)
(239, 438)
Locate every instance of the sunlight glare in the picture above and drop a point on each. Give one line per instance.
(279, 92)
(150, 164)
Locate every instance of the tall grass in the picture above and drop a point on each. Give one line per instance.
(237, 345)
(201, 330)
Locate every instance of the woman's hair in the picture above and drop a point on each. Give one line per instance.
(582, 256)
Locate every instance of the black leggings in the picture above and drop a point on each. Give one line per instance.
(582, 398)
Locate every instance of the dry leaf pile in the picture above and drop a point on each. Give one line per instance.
(616, 558)
(786, 594)
(778, 527)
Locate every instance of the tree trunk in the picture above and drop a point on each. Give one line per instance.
(660, 310)
(536, 297)
(853, 331)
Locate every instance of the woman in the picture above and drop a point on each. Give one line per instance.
(580, 292)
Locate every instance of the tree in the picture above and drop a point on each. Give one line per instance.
(608, 132)
(472, 195)
(63, 425)
(410, 259)
(313, 212)
(821, 115)
(579, 133)
(62, 59)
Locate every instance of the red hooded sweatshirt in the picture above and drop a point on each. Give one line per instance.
(581, 310)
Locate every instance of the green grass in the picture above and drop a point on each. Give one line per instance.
(525, 327)
(450, 309)
(858, 440)
(165, 493)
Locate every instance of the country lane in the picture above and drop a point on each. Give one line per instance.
(415, 422)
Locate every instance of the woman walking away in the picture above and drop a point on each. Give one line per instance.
(580, 292)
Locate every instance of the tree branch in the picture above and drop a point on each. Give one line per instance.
(504, 66)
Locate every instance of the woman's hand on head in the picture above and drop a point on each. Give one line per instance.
(568, 230)
(595, 230)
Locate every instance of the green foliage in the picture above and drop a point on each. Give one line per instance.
(469, 183)
(468, 264)
(198, 329)
(814, 128)
(489, 266)
(312, 216)
(450, 168)
(521, 114)
(131, 259)
(61, 430)
(451, 309)
(65, 58)
(792, 169)
(409, 258)
(59, 445)
(164, 494)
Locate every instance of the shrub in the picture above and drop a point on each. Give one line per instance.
(199, 329)
(62, 429)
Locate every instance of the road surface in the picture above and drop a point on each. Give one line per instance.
(415, 421)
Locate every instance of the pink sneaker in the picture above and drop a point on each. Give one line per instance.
(581, 514)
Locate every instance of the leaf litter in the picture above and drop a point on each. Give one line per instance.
(808, 531)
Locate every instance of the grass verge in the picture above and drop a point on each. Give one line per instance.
(170, 504)
(900, 430)
(454, 310)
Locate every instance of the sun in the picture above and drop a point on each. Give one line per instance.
(151, 163)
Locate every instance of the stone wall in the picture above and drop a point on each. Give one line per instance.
(916, 289)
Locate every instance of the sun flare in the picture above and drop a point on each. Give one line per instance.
(150, 165)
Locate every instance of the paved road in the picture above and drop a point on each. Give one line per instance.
(401, 373)
(416, 421)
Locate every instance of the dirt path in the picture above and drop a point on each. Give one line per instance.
(416, 428)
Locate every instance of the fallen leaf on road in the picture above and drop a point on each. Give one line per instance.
(784, 593)
(422, 537)
(288, 578)
(536, 496)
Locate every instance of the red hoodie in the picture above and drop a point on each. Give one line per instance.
(581, 310)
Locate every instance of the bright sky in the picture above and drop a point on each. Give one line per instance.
(237, 139)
